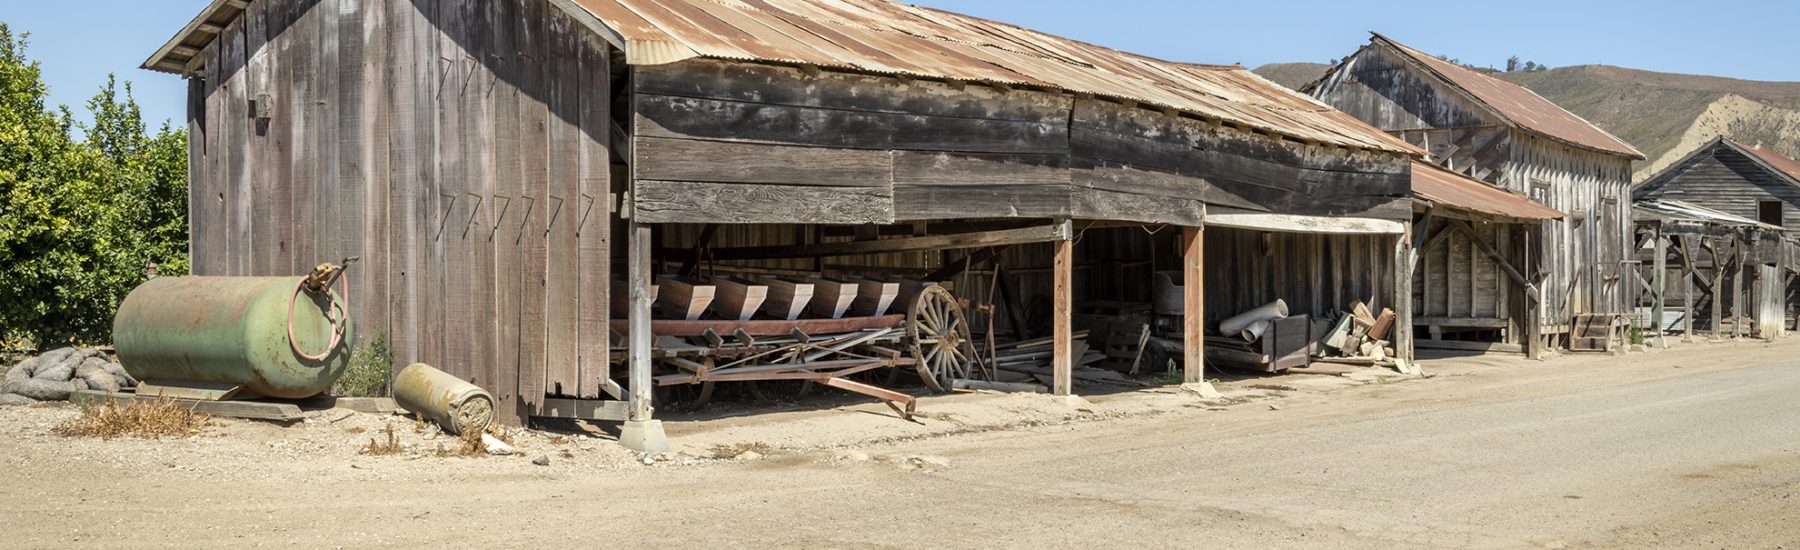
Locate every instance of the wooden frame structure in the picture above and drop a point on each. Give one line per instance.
(1497, 132)
(481, 157)
(1733, 275)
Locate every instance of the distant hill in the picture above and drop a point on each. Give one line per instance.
(1664, 115)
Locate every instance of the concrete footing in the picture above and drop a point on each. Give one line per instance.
(644, 436)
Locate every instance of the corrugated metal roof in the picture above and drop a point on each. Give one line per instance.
(883, 37)
(1520, 105)
(1668, 210)
(1447, 188)
(1774, 160)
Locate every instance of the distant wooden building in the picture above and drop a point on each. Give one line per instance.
(1717, 220)
(1503, 134)
(499, 164)
(1731, 177)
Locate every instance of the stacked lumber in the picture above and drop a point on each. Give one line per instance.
(1033, 358)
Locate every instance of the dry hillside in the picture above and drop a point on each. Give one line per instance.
(1662, 114)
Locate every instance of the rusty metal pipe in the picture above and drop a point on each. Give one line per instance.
(457, 405)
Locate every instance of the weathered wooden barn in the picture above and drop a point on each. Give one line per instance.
(1732, 200)
(498, 165)
(1503, 134)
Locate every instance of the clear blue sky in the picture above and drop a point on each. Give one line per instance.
(80, 41)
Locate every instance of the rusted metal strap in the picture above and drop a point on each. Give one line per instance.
(892, 398)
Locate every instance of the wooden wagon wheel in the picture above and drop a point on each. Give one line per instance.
(942, 349)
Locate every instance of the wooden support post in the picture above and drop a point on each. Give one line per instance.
(1661, 285)
(641, 432)
(1193, 289)
(1063, 363)
(1534, 302)
(1738, 319)
(1687, 287)
(1718, 289)
(1404, 257)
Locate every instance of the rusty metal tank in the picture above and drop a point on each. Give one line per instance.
(224, 337)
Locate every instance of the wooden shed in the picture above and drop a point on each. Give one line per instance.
(1733, 200)
(1498, 132)
(1475, 246)
(500, 165)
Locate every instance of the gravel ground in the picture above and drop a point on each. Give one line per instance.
(1693, 447)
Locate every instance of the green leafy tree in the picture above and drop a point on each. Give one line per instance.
(82, 219)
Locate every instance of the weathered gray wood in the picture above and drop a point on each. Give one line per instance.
(728, 162)
(534, 51)
(255, 410)
(692, 118)
(562, 287)
(638, 273)
(591, 213)
(1037, 234)
(699, 202)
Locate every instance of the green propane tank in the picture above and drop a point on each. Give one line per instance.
(225, 337)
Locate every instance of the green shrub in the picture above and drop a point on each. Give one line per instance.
(371, 366)
(82, 219)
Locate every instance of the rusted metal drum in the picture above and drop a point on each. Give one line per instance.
(224, 337)
(457, 405)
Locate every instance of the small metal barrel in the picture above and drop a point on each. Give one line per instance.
(457, 405)
(229, 336)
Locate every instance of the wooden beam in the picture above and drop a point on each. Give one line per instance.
(1062, 364)
(1718, 284)
(1687, 290)
(1060, 231)
(1193, 296)
(1485, 347)
(1403, 310)
(1661, 286)
(638, 264)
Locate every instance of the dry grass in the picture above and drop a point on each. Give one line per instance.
(145, 419)
(468, 445)
(379, 448)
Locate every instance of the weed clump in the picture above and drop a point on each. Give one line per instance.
(380, 448)
(367, 375)
(138, 418)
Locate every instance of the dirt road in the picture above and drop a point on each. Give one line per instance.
(1692, 447)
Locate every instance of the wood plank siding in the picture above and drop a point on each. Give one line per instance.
(1580, 257)
(461, 149)
(787, 145)
(1726, 180)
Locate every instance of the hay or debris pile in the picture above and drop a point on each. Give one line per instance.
(137, 418)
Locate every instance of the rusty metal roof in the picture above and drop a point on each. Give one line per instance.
(1446, 188)
(1519, 105)
(878, 36)
(1770, 158)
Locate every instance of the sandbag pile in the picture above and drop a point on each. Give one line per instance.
(54, 375)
